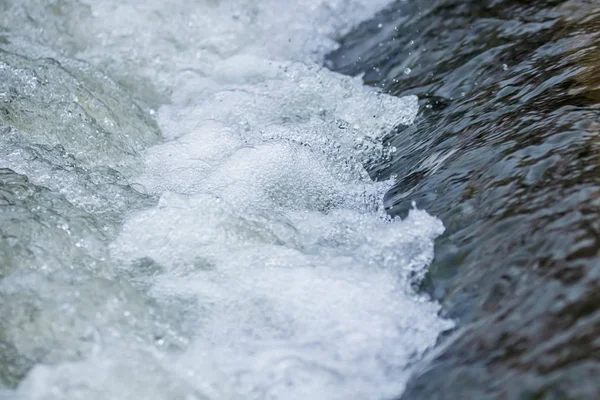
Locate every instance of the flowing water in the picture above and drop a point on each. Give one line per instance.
(185, 210)
(505, 150)
(193, 205)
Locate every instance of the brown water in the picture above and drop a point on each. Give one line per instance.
(506, 152)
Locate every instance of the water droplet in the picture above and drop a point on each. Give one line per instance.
(407, 71)
(505, 67)
(380, 26)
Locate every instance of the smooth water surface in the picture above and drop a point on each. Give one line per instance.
(505, 150)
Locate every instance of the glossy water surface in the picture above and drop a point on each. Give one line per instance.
(506, 151)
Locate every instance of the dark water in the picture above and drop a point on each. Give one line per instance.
(506, 152)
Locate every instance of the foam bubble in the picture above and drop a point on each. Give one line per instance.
(268, 220)
(269, 234)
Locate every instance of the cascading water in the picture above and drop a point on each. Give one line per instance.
(246, 255)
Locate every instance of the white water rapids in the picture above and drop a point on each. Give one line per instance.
(246, 254)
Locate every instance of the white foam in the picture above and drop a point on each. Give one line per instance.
(150, 39)
(268, 224)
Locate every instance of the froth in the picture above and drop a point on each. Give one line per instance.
(269, 234)
(269, 222)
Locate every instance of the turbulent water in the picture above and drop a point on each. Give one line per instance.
(506, 151)
(185, 211)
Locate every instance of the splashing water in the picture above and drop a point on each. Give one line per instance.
(267, 268)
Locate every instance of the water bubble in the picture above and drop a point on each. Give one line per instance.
(261, 226)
